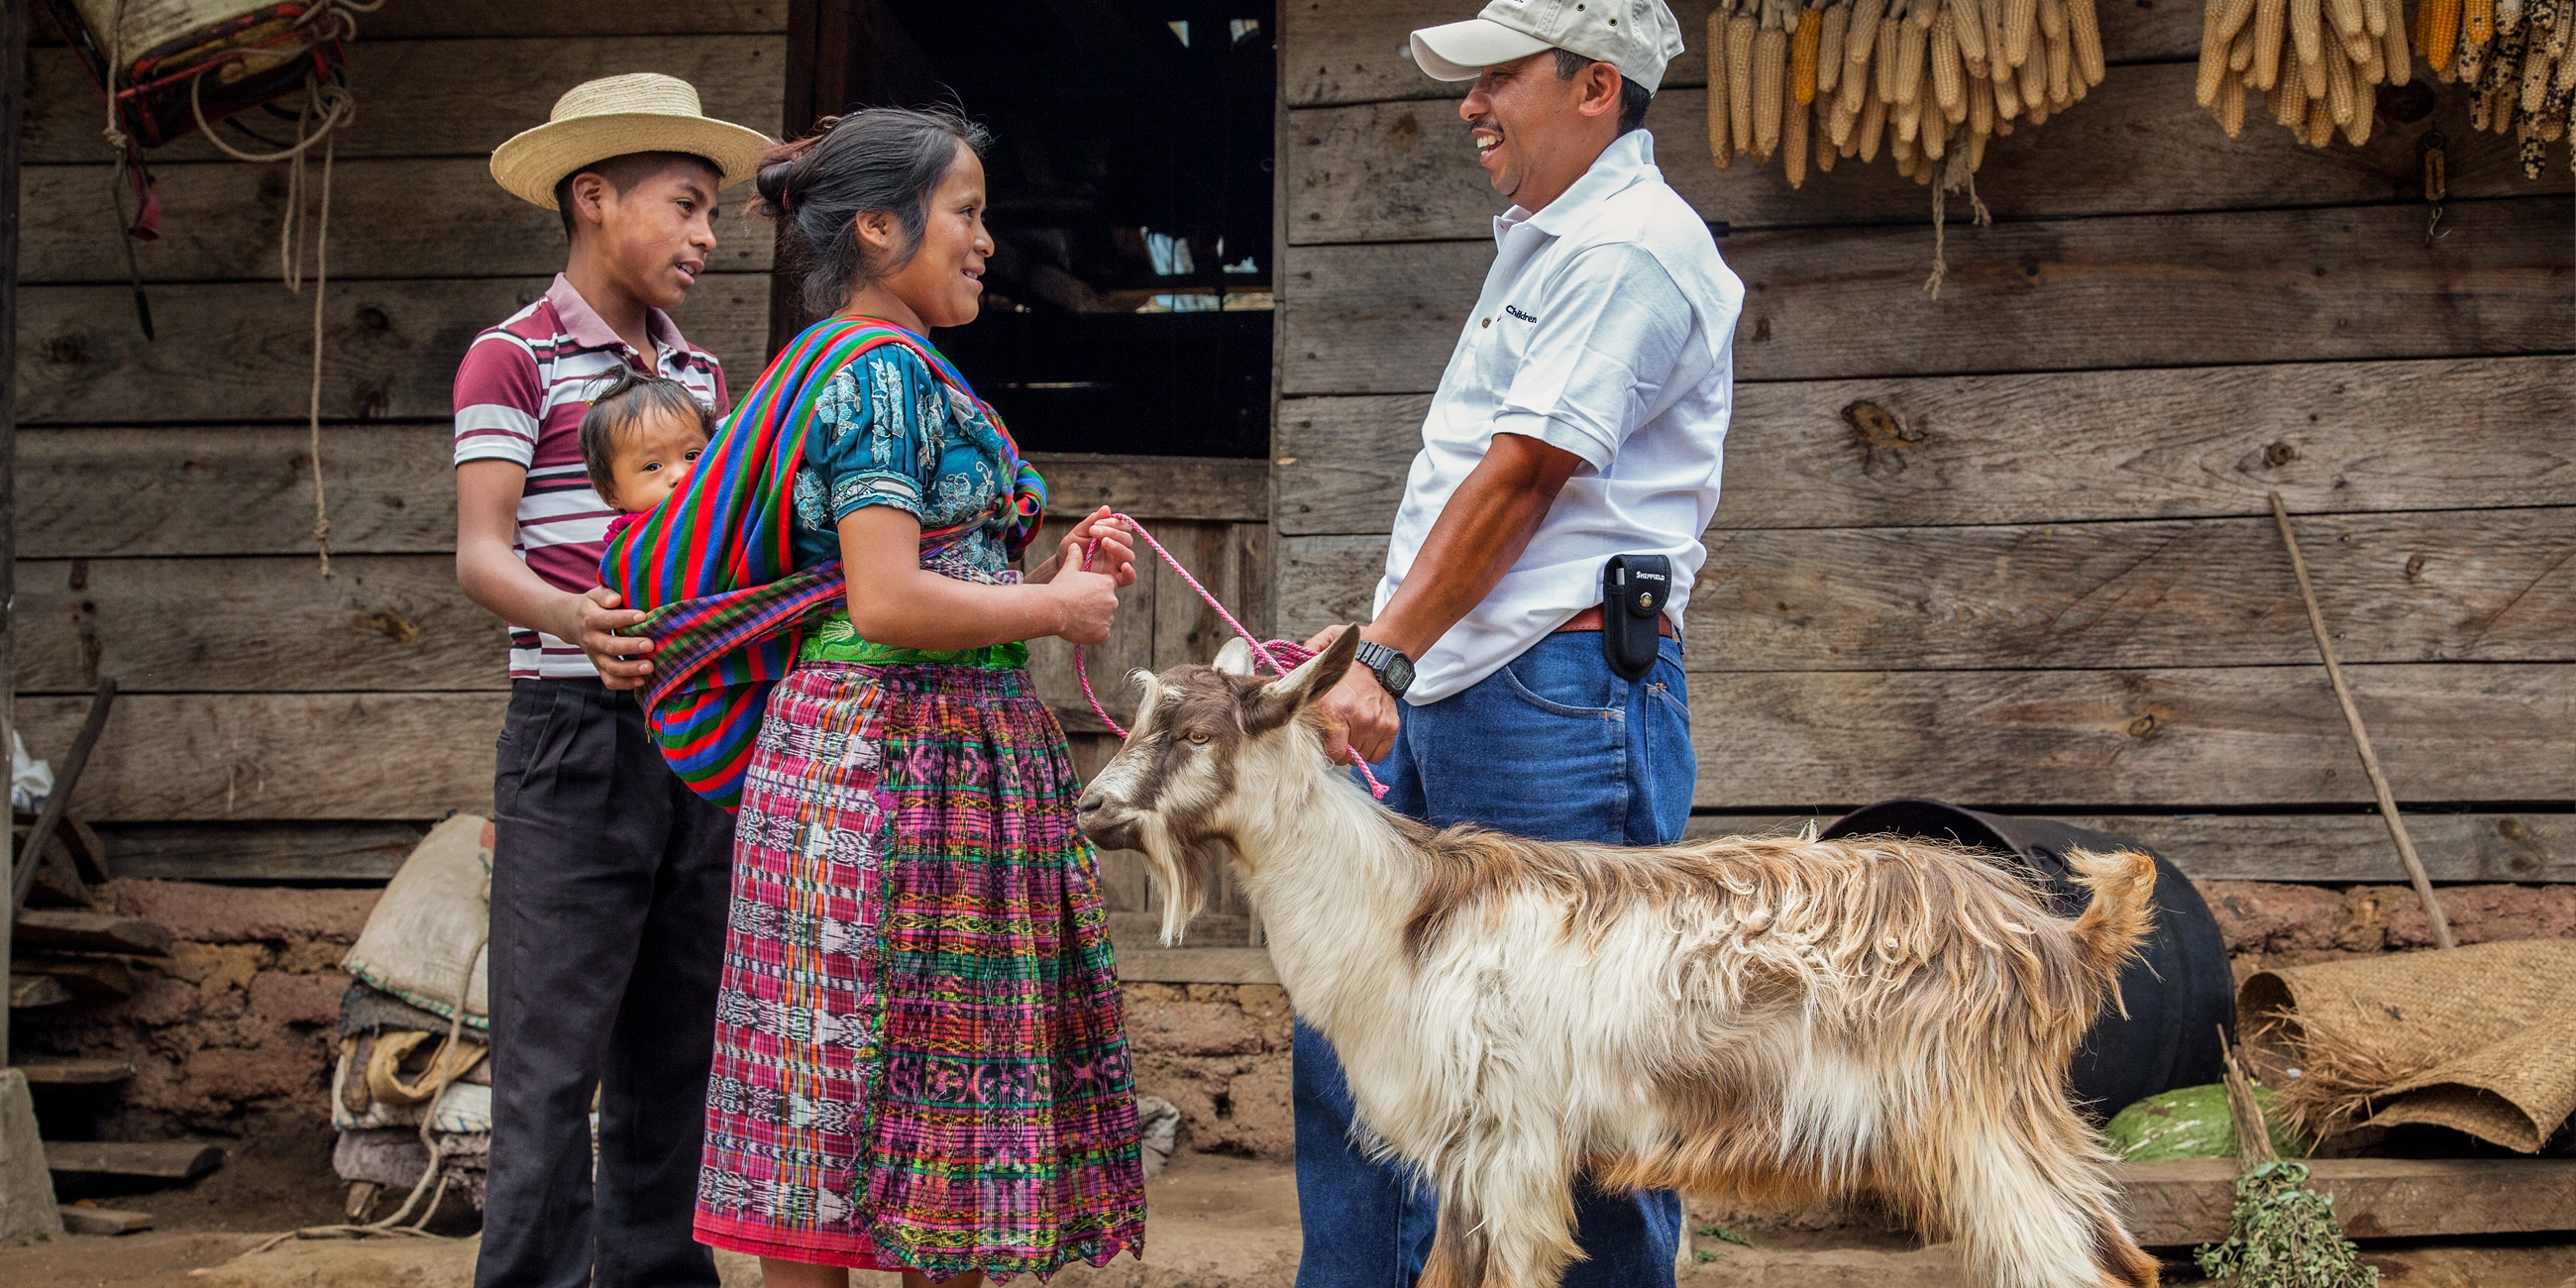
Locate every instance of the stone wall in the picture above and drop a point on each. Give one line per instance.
(237, 1021)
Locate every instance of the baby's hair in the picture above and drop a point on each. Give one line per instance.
(631, 395)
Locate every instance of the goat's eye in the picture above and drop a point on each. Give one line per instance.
(1199, 736)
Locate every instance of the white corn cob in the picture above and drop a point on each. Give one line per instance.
(2320, 123)
(2307, 33)
(2270, 24)
(2471, 60)
(1825, 159)
(2052, 19)
(2061, 75)
(2086, 22)
(1882, 63)
(2240, 51)
(1829, 48)
(1911, 45)
(1740, 31)
(2231, 104)
(2034, 80)
(2397, 59)
(1873, 123)
(2368, 69)
(1997, 62)
(1721, 140)
(2508, 17)
(2347, 16)
(1770, 89)
(2218, 28)
(2374, 16)
(1908, 115)
(1859, 42)
(2357, 130)
(1949, 79)
(2289, 98)
(1936, 135)
(2021, 21)
(1967, 18)
(1981, 109)
(2007, 95)
(2339, 87)
(2563, 31)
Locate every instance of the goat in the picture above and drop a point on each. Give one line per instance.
(1779, 1020)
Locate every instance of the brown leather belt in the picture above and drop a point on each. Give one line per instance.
(1590, 620)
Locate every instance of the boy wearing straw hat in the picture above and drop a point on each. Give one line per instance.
(610, 878)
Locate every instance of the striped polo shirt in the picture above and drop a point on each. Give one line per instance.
(520, 395)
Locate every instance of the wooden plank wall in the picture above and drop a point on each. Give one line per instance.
(2010, 547)
(275, 724)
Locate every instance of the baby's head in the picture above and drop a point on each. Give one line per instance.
(641, 438)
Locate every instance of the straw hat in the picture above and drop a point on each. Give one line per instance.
(616, 115)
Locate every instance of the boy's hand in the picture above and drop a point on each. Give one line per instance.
(622, 659)
(1114, 557)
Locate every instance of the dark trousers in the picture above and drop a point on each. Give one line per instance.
(610, 880)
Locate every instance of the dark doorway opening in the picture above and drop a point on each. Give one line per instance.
(1128, 305)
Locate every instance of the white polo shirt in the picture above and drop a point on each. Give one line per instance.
(1606, 328)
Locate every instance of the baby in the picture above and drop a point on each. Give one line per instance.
(640, 440)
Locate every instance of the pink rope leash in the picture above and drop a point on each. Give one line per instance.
(1281, 656)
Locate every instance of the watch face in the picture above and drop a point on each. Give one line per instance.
(1399, 674)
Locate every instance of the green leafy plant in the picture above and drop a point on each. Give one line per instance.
(1713, 1230)
(2283, 1235)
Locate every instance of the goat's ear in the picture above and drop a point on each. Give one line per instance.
(1283, 698)
(1235, 658)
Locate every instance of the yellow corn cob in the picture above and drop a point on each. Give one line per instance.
(2218, 28)
(2441, 32)
(2269, 26)
(2320, 123)
(2021, 19)
(1770, 89)
(2480, 16)
(1829, 48)
(2061, 75)
(2231, 103)
(2086, 24)
(2240, 51)
(1949, 79)
(2034, 82)
(1859, 42)
(1793, 141)
(2374, 16)
(1911, 42)
(2347, 16)
(1803, 42)
(2339, 97)
(2397, 60)
(1740, 31)
(1882, 71)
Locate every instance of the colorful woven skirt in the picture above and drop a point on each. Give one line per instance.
(921, 1060)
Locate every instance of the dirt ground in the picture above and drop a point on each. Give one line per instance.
(1216, 1223)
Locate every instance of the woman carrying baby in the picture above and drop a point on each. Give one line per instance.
(920, 1056)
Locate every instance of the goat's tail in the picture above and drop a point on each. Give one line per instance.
(2123, 911)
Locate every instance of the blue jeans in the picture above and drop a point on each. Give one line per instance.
(1553, 746)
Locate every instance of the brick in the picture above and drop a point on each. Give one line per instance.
(2481, 914)
(2268, 916)
(233, 914)
(1264, 1121)
(215, 968)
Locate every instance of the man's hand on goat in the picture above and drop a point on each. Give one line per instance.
(1359, 714)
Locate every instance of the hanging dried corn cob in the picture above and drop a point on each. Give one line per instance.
(2510, 56)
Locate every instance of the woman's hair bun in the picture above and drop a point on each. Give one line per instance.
(783, 167)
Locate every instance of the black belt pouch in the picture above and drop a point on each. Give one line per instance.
(1633, 591)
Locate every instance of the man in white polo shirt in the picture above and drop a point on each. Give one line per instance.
(1580, 419)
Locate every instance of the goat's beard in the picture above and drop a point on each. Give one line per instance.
(1188, 871)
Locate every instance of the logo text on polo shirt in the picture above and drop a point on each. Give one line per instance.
(1514, 310)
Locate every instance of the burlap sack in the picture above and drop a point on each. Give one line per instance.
(429, 926)
(2481, 1039)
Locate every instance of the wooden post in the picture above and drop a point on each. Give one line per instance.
(2361, 737)
(13, 102)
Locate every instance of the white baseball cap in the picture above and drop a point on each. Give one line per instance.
(1639, 37)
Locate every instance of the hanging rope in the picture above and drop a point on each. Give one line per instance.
(1958, 175)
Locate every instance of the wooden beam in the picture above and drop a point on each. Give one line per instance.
(262, 853)
(2058, 447)
(455, 98)
(14, 58)
(2187, 1201)
(170, 1160)
(355, 756)
(2119, 740)
(1347, 52)
(101, 1221)
(1405, 171)
(1191, 488)
(393, 347)
(2126, 292)
(235, 490)
(456, 19)
(2456, 585)
(67, 1072)
(381, 623)
(1196, 966)
(28, 992)
(390, 218)
(2327, 848)
(90, 932)
(93, 978)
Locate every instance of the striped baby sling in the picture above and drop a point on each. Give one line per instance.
(713, 568)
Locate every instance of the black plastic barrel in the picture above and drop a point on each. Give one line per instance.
(2179, 991)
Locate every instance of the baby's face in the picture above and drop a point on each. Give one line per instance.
(655, 453)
